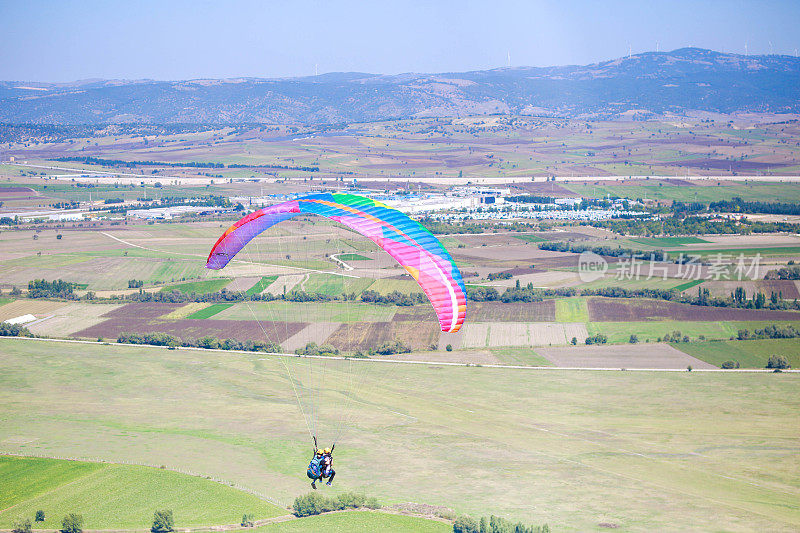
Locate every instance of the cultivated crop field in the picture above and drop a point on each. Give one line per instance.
(641, 450)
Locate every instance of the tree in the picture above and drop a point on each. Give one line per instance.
(449, 347)
(72, 523)
(39, 516)
(162, 521)
(465, 524)
(23, 525)
(574, 341)
(247, 520)
(634, 339)
(777, 361)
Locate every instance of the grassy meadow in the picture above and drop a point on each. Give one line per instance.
(749, 353)
(644, 451)
(117, 496)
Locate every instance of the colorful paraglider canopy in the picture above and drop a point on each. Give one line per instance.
(413, 246)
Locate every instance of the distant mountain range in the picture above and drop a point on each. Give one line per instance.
(640, 86)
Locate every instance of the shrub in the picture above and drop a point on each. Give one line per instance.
(634, 339)
(574, 341)
(311, 504)
(162, 521)
(72, 523)
(391, 348)
(23, 525)
(597, 339)
(315, 503)
(39, 516)
(465, 524)
(777, 361)
(449, 347)
(728, 365)
(247, 520)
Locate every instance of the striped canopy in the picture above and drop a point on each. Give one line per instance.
(413, 246)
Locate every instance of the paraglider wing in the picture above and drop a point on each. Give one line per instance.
(413, 246)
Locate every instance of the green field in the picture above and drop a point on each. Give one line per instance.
(750, 353)
(662, 242)
(519, 356)
(209, 311)
(530, 238)
(385, 286)
(764, 192)
(735, 252)
(352, 257)
(642, 450)
(200, 287)
(117, 496)
(281, 311)
(571, 310)
(261, 284)
(357, 522)
(653, 329)
(688, 285)
(334, 285)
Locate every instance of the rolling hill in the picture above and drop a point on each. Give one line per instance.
(639, 86)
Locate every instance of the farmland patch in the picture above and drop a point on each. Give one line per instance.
(542, 311)
(749, 353)
(142, 310)
(621, 356)
(207, 312)
(199, 287)
(23, 306)
(631, 310)
(241, 330)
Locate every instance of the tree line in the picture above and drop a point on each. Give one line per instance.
(209, 342)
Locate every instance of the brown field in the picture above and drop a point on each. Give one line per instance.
(143, 310)
(317, 332)
(621, 356)
(360, 335)
(544, 311)
(241, 330)
(72, 317)
(37, 308)
(493, 334)
(723, 289)
(634, 310)
(419, 334)
(242, 283)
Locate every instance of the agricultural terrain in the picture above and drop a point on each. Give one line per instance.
(710, 450)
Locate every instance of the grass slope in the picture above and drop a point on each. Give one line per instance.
(117, 496)
(668, 241)
(358, 521)
(652, 330)
(209, 311)
(572, 310)
(261, 284)
(352, 257)
(750, 354)
(644, 450)
(200, 287)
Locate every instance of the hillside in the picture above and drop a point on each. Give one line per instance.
(681, 81)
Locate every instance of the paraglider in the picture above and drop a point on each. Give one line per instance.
(412, 245)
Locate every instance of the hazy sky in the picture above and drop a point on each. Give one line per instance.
(176, 39)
